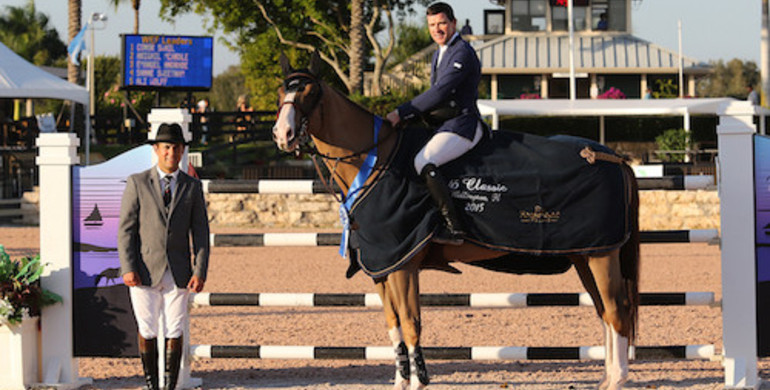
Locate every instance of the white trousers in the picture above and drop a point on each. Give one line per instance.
(444, 147)
(166, 299)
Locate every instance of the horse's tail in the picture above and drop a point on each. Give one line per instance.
(629, 252)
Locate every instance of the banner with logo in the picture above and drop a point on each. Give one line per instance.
(104, 324)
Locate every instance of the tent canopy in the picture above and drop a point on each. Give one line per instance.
(19, 79)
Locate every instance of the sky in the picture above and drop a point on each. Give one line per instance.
(711, 29)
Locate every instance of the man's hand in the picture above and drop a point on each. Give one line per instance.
(131, 279)
(195, 284)
(393, 118)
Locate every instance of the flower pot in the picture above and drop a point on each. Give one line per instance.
(18, 361)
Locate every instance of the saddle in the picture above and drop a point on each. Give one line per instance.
(535, 199)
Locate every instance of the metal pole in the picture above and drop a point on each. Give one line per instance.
(571, 27)
(90, 86)
(681, 61)
(764, 56)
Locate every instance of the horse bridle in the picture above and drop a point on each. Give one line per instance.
(296, 82)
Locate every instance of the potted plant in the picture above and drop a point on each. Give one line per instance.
(21, 299)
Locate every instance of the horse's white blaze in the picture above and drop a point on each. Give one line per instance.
(283, 131)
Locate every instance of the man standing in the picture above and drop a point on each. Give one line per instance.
(162, 208)
(451, 103)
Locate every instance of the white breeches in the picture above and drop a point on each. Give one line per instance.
(166, 298)
(444, 147)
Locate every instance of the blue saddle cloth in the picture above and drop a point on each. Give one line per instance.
(533, 198)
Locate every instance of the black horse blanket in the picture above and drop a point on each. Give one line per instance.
(533, 197)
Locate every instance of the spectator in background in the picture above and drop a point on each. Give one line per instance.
(466, 30)
(602, 25)
(647, 94)
(242, 106)
(753, 97)
(204, 109)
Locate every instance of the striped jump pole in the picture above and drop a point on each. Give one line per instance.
(272, 186)
(264, 187)
(333, 239)
(688, 182)
(672, 352)
(486, 300)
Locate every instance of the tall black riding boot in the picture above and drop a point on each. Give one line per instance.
(452, 233)
(173, 361)
(148, 351)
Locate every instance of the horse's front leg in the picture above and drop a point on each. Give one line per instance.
(401, 381)
(404, 290)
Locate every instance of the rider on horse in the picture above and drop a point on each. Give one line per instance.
(449, 106)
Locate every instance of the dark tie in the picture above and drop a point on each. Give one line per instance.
(167, 190)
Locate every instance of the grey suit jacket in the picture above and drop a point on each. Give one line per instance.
(151, 239)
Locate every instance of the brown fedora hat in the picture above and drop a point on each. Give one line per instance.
(171, 133)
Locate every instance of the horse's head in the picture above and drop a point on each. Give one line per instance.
(298, 96)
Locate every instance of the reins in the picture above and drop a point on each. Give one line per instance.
(292, 83)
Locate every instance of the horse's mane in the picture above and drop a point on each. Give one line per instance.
(346, 98)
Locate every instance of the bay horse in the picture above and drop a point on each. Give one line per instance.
(342, 134)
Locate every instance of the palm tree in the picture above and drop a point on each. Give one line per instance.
(135, 4)
(357, 47)
(73, 28)
(28, 34)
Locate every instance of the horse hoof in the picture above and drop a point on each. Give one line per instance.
(401, 385)
(416, 385)
(604, 383)
(616, 385)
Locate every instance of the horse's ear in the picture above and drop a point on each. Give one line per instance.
(285, 66)
(315, 63)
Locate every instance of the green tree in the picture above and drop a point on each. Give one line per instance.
(300, 26)
(410, 39)
(226, 87)
(27, 33)
(729, 79)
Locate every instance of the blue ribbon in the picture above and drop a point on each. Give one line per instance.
(356, 187)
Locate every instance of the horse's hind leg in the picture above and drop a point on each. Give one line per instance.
(404, 288)
(602, 278)
(394, 332)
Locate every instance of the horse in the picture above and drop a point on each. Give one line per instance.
(341, 134)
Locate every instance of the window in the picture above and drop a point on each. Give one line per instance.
(528, 15)
(615, 11)
(559, 18)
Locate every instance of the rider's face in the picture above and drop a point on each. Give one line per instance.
(441, 28)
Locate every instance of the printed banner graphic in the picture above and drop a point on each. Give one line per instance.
(104, 322)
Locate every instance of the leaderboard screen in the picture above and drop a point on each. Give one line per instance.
(167, 62)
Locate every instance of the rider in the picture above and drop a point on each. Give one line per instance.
(451, 103)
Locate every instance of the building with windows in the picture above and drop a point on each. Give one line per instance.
(524, 52)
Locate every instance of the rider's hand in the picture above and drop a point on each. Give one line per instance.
(195, 284)
(393, 118)
(131, 279)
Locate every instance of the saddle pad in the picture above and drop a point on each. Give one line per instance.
(516, 192)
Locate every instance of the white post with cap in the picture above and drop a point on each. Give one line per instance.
(57, 155)
(736, 197)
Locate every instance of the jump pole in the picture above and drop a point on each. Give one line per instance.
(736, 167)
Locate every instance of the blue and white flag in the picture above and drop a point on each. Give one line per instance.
(77, 45)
